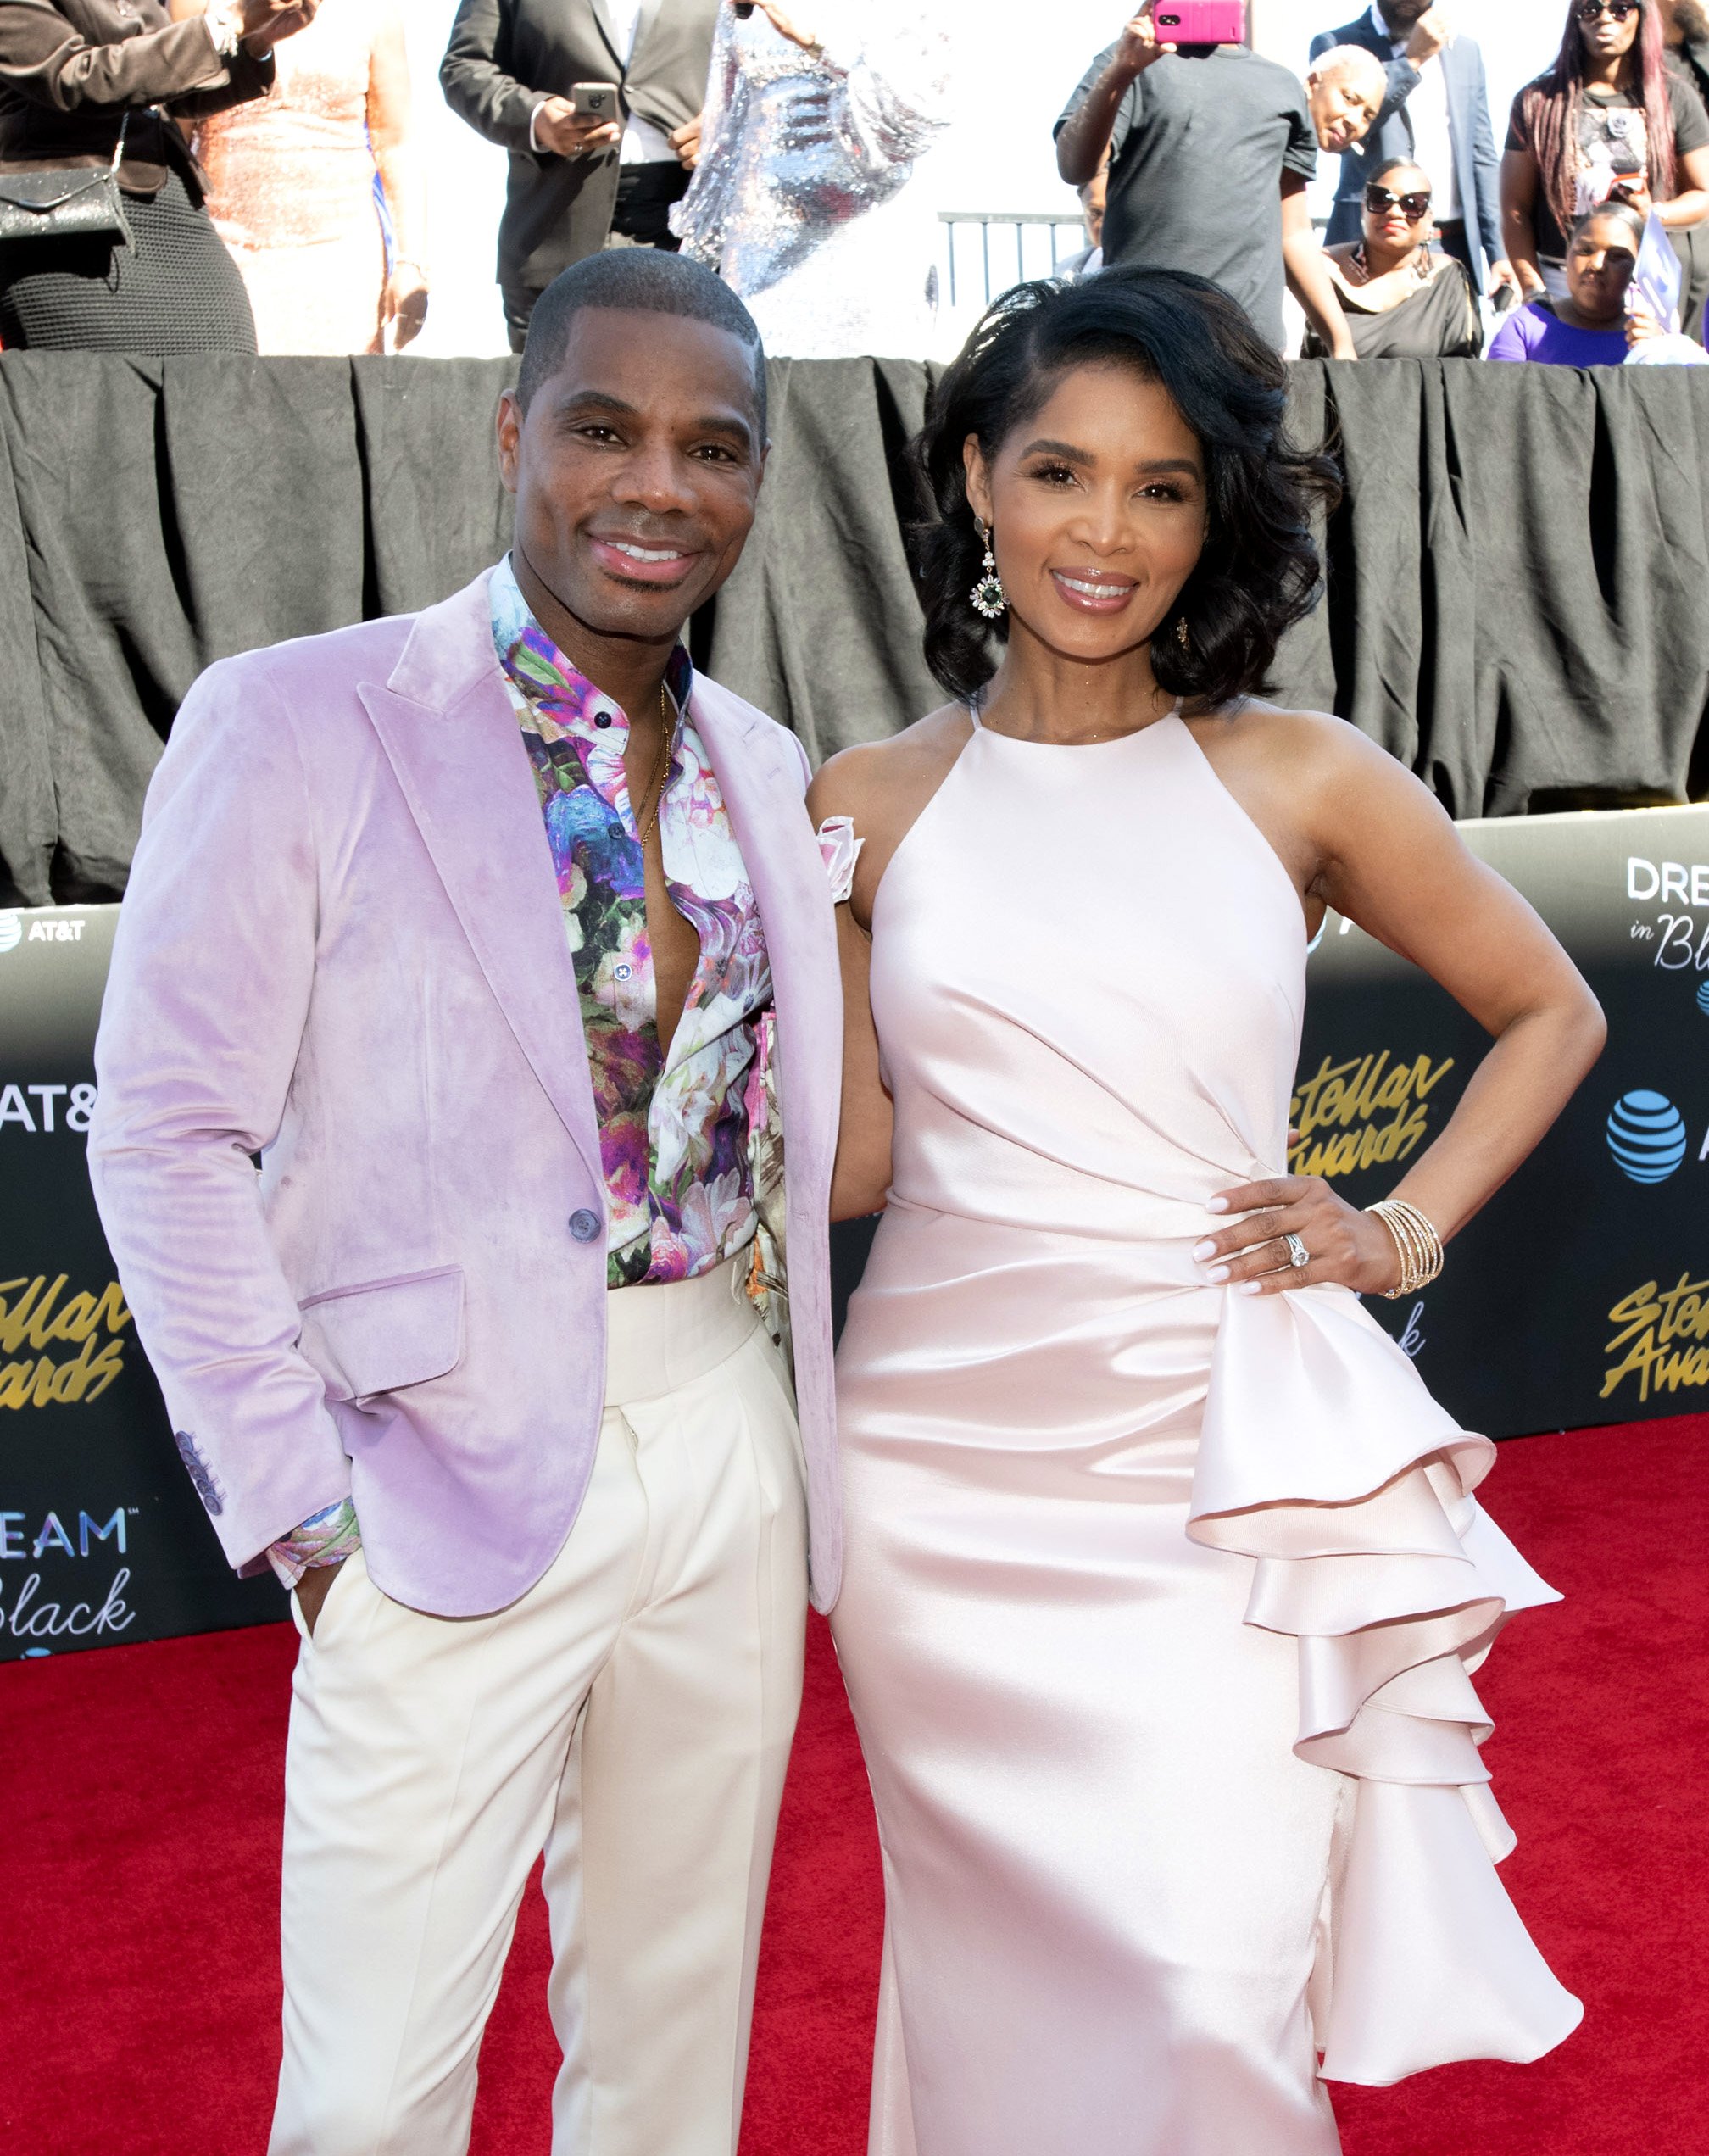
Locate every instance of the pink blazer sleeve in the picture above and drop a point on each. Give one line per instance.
(213, 966)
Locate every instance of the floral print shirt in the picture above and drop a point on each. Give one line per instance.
(676, 1132)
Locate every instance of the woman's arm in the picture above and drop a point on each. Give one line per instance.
(1392, 862)
(1519, 183)
(1691, 204)
(1308, 274)
(403, 306)
(860, 1179)
(42, 58)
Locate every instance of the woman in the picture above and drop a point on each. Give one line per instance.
(1163, 1573)
(1609, 117)
(1685, 31)
(1401, 301)
(92, 84)
(1589, 327)
(801, 199)
(291, 187)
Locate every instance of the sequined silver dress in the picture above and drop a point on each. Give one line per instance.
(804, 200)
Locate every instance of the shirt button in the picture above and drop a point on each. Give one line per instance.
(584, 1225)
(602, 718)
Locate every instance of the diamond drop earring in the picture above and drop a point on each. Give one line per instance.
(987, 595)
(1181, 635)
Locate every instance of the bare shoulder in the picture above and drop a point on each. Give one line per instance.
(1312, 756)
(880, 784)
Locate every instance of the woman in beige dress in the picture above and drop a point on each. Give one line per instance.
(291, 187)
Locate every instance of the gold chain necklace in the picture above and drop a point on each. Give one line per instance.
(656, 789)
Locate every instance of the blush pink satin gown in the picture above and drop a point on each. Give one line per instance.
(1160, 1601)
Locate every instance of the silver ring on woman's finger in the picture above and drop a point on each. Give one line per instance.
(1298, 1255)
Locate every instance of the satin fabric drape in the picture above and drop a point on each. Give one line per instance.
(1160, 1602)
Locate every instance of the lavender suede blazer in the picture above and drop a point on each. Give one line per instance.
(343, 949)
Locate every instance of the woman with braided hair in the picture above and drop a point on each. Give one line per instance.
(1610, 119)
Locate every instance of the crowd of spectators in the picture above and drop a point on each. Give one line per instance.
(1429, 221)
(234, 174)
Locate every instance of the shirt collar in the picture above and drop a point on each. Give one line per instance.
(1383, 30)
(551, 685)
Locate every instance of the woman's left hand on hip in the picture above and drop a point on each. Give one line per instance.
(1289, 1216)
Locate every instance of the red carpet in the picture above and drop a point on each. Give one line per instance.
(140, 1791)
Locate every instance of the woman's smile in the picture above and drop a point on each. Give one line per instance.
(1093, 591)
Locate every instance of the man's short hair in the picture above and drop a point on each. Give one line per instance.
(1351, 59)
(638, 280)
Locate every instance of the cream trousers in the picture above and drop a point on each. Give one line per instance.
(631, 1714)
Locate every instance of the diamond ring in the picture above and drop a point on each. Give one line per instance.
(1298, 1254)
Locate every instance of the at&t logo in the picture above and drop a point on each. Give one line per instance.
(11, 933)
(1646, 1136)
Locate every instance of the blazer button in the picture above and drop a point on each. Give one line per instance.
(584, 1226)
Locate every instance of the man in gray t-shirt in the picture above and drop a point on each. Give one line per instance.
(1210, 153)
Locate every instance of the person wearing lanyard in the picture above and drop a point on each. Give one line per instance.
(1437, 116)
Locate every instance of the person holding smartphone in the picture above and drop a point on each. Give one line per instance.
(1609, 119)
(1210, 150)
(599, 103)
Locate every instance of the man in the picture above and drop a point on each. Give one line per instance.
(475, 927)
(1211, 149)
(579, 183)
(1436, 115)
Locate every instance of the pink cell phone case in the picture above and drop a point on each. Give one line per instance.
(1200, 22)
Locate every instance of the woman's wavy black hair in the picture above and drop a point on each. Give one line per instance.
(1259, 571)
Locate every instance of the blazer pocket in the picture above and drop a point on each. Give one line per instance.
(385, 1335)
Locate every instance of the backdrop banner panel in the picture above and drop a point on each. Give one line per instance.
(1579, 1296)
(102, 1541)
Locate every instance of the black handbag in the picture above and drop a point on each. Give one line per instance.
(77, 201)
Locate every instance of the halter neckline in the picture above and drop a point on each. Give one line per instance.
(980, 726)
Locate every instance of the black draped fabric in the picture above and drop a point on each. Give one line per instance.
(1515, 599)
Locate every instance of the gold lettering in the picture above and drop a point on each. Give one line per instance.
(1649, 1320)
(30, 1321)
(1346, 1102)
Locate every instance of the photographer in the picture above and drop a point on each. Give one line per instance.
(579, 181)
(100, 86)
(1211, 149)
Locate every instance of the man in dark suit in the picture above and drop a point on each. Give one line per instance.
(1437, 114)
(579, 183)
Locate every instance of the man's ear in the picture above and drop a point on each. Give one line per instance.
(510, 424)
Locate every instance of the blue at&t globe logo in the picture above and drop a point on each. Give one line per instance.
(1646, 1136)
(1703, 997)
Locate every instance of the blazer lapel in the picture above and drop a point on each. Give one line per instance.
(762, 792)
(607, 29)
(451, 736)
(649, 14)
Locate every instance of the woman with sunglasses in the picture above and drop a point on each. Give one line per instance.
(1609, 117)
(1589, 328)
(1402, 300)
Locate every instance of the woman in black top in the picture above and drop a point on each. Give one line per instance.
(1609, 118)
(73, 75)
(1401, 301)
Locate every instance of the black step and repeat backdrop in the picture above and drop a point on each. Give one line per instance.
(1579, 1296)
(103, 1539)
